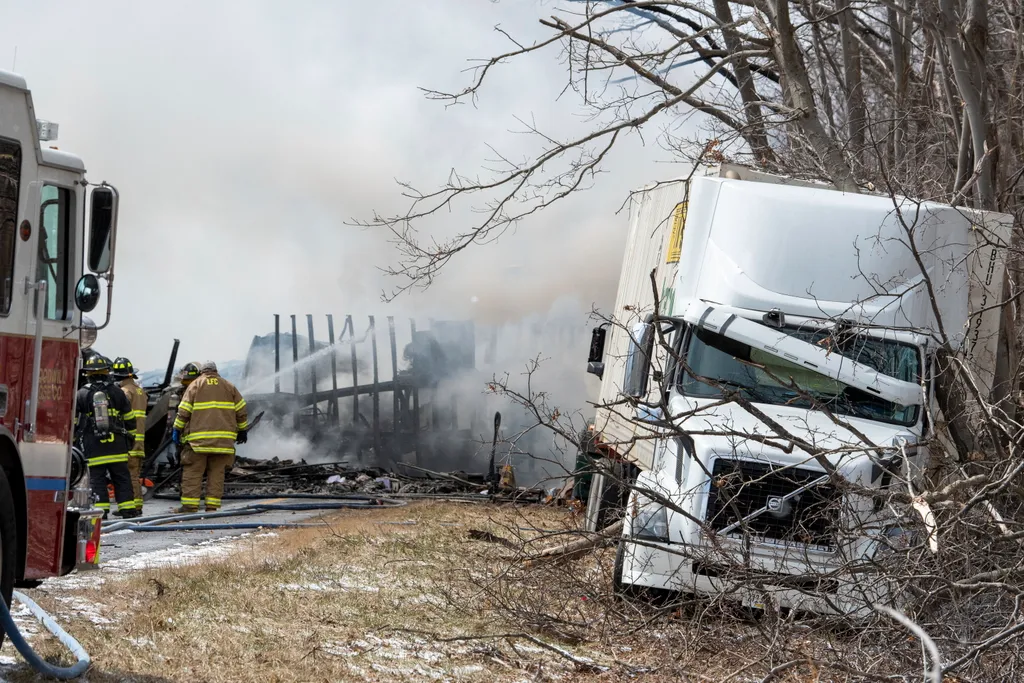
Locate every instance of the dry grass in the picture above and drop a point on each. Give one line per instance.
(305, 605)
(373, 599)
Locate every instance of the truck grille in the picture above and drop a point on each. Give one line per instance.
(740, 488)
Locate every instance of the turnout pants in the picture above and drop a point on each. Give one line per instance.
(120, 477)
(135, 469)
(193, 467)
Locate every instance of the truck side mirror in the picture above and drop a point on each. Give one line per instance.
(102, 228)
(638, 360)
(595, 361)
(87, 293)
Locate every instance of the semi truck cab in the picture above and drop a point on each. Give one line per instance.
(785, 384)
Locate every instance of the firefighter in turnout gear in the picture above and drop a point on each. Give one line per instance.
(124, 373)
(189, 373)
(101, 408)
(211, 419)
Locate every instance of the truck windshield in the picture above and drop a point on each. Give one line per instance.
(763, 378)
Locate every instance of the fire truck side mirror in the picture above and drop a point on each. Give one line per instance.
(102, 228)
(87, 293)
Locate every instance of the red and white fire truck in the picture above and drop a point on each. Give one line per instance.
(48, 525)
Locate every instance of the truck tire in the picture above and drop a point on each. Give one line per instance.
(620, 589)
(8, 543)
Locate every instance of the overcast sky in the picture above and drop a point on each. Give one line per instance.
(242, 135)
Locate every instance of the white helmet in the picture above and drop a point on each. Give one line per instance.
(208, 366)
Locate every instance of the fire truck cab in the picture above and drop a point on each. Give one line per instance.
(48, 526)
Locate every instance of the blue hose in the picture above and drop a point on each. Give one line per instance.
(35, 661)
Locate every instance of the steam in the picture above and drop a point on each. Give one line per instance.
(269, 442)
(456, 416)
(248, 202)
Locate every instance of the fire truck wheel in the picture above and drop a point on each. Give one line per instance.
(8, 542)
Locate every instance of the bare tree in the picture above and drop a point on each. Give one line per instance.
(865, 94)
(914, 98)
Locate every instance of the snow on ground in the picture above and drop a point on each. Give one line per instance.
(403, 657)
(29, 627)
(177, 555)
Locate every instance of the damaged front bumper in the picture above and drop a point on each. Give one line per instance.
(765, 580)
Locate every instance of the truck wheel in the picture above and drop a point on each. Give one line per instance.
(8, 543)
(620, 589)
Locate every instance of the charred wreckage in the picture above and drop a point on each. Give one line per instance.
(406, 435)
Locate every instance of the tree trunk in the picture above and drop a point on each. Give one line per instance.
(755, 134)
(799, 95)
(856, 116)
(968, 68)
(901, 72)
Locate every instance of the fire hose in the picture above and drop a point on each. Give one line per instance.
(173, 522)
(35, 661)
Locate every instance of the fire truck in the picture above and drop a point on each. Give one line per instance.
(53, 256)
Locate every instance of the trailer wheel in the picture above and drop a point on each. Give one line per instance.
(8, 543)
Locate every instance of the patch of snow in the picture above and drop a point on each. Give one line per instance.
(89, 610)
(119, 532)
(468, 669)
(418, 670)
(350, 584)
(305, 587)
(25, 620)
(177, 555)
(425, 599)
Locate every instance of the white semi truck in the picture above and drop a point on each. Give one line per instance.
(785, 382)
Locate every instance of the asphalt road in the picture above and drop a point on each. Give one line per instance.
(121, 544)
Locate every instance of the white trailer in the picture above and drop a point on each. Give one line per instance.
(844, 297)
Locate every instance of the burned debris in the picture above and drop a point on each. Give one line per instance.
(368, 420)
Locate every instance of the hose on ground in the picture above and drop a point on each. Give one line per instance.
(35, 661)
(220, 527)
(148, 523)
(383, 496)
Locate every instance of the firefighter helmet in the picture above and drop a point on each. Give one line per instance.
(189, 373)
(97, 365)
(208, 366)
(122, 368)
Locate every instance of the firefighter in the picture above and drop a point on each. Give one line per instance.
(124, 372)
(83, 377)
(101, 407)
(189, 373)
(211, 419)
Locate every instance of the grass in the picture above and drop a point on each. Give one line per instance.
(374, 598)
(351, 602)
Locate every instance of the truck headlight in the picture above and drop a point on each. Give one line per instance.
(651, 523)
(88, 333)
